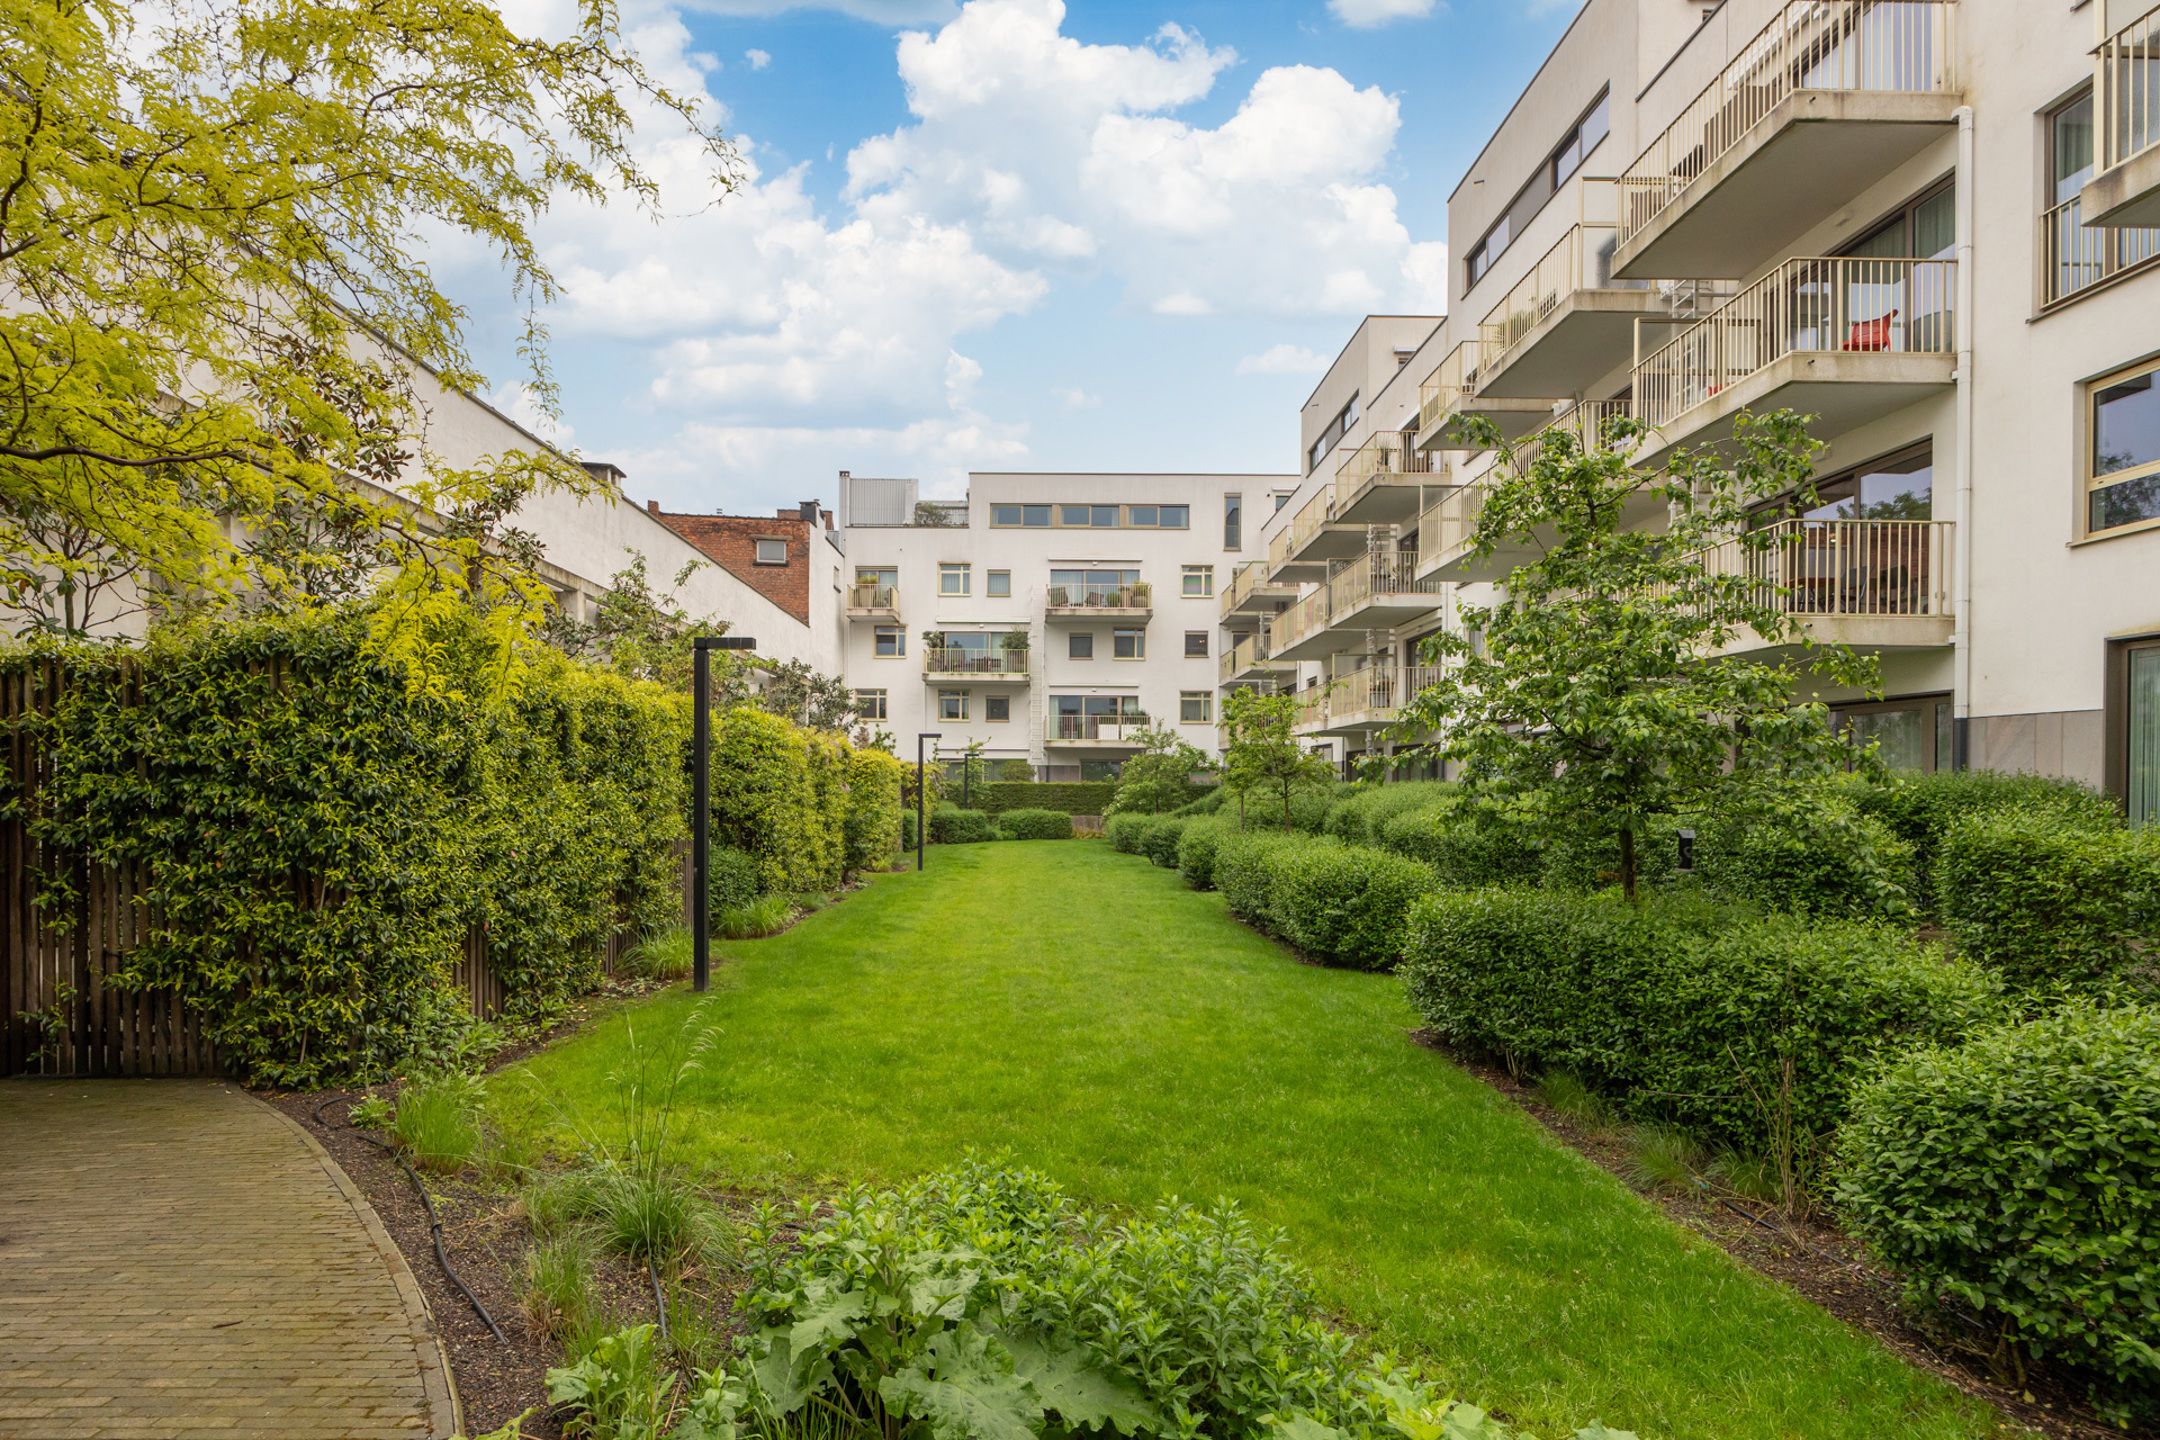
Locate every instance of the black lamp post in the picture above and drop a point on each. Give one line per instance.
(701, 801)
(922, 791)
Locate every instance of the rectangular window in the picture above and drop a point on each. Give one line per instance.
(889, 641)
(2123, 478)
(1233, 522)
(1142, 516)
(952, 579)
(870, 704)
(952, 704)
(997, 709)
(772, 552)
(1909, 735)
(1128, 644)
(1076, 515)
(999, 584)
(1196, 644)
(1196, 707)
(880, 577)
(2142, 716)
(1080, 645)
(1197, 582)
(1007, 515)
(1174, 517)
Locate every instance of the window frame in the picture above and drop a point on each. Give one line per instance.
(1202, 652)
(1205, 574)
(1078, 640)
(1135, 634)
(2116, 766)
(2089, 441)
(878, 635)
(991, 582)
(1233, 521)
(945, 697)
(1207, 707)
(990, 707)
(946, 570)
(864, 697)
(757, 549)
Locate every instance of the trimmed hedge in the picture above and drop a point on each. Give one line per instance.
(2045, 897)
(1922, 808)
(732, 878)
(1035, 825)
(1812, 852)
(1683, 1008)
(1360, 813)
(954, 826)
(1242, 871)
(872, 828)
(1346, 902)
(1159, 840)
(1124, 832)
(1467, 847)
(1070, 797)
(1196, 851)
(2018, 1176)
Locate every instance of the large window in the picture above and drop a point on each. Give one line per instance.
(952, 704)
(1128, 644)
(952, 580)
(889, 641)
(2077, 256)
(2141, 715)
(1233, 522)
(997, 709)
(1089, 516)
(870, 704)
(1912, 734)
(1080, 645)
(1093, 587)
(2123, 475)
(1196, 707)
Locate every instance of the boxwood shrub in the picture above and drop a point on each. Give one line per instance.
(1811, 851)
(1035, 825)
(1196, 851)
(1365, 808)
(1345, 903)
(1922, 808)
(1159, 839)
(2017, 1177)
(1123, 832)
(1242, 871)
(2046, 897)
(1466, 846)
(954, 826)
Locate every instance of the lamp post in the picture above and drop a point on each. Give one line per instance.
(922, 791)
(701, 800)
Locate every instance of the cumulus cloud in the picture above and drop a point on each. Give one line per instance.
(1072, 397)
(1285, 359)
(758, 59)
(1364, 14)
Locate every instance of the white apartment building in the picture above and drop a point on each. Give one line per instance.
(1924, 221)
(1049, 617)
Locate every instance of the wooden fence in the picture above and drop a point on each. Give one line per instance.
(60, 1011)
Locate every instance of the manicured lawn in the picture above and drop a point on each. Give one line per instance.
(1085, 1012)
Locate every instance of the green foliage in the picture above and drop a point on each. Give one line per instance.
(619, 1390)
(1745, 1029)
(2049, 899)
(1808, 849)
(1159, 840)
(1346, 903)
(1035, 825)
(787, 797)
(872, 832)
(1160, 777)
(733, 877)
(766, 915)
(1468, 846)
(1074, 797)
(1922, 808)
(1245, 873)
(1196, 851)
(1210, 802)
(1262, 759)
(666, 956)
(2017, 1177)
(954, 826)
(1361, 813)
(1124, 832)
(1015, 771)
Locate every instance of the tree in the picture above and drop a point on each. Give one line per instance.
(646, 636)
(1597, 683)
(808, 696)
(216, 231)
(1261, 754)
(1159, 778)
(1015, 770)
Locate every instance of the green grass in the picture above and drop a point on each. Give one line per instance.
(1085, 1012)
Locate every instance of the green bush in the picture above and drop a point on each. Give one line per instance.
(1345, 903)
(2049, 899)
(1159, 840)
(1015, 772)
(763, 798)
(1364, 809)
(1811, 851)
(1308, 808)
(1922, 808)
(910, 826)
(1243, 872)
(731, 877)
(1584, 861)
(1124, 832)
(1035, 825)
(1468, 847)
(2017, 1176)
(873, 809)
(1210, 801)
(955, 826)
(1683, 1008)
(1073, 797)
(1196, 852)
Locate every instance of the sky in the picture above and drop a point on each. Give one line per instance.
(1003, 234)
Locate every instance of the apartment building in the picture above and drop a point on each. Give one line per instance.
(1932, 223)
(1050, 617)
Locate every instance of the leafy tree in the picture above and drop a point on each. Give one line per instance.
(1596, 683)
(222, 330)
(1261, 753)
(1015, 770)
(643, 635)
(808, 696)
(1159, 778)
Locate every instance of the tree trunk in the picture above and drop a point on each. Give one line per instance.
(1627, 862)
(1286, 809)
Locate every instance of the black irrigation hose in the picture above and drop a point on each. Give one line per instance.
(442, 1257)
(659, 1304)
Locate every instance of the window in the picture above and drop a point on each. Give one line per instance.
(1196, 644)
(1099, 769)
(882, 577)
(2123, 481)
(1233, 522)
(952, 580)
(1195, 707)
(1583, 139)
(998, 584)
(1034, 517)
(1331, 432)
(1912, 734)
(1197, 582)
(1173, 517)
(1128, 644)
(1080, 645)
(889, 641)
(1143, 516)
(2136, 745)
(1094, 587)
(952, 704)
(1560, 165)
(870, 704)
(772, 552)
(997, 709)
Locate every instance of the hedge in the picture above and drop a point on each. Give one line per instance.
(1035, 825)
(1346, 902)
(1196, 851)
(731, 878)
(873, 810)
(1922, 808)
(1072, 797)
(950, 825)
(2044, 897)
(1811, 851)
(1124, 832)
(1683, 1008)
(1359, 814)
(1242, 871)
(2017, 1176)
(1159, 840)
(1466, 846)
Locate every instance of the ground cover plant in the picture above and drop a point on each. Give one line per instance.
(1135, 1044)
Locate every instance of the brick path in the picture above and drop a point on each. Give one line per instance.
(179, 1259)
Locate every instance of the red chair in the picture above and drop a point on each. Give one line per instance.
(1871, 335)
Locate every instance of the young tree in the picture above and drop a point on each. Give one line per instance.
(1261, 754)
(645, 635)
(1598, 681)
(808, 696)
(1159, 778)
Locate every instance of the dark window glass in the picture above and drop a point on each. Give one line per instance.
(1233, 522)
(1196, 644)
(1080, 645)
(997, 707)
(1174, 517)
(1036, 515)
(1072, 515)
(1103, 517)
(2126, 425)
(1142, 515)
(2131, 502)
(1005, 514)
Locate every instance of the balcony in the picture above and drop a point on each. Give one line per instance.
(1248, 663)
(879, 603)
(1382, 481)
(2125, 188)
(1099, 602)
(2076, 257)
(1100, 732)
(1302, 549)
(1584, 421)
(1357, 701)
(1875, 585)
(1450, 394)
(1374, 592)
(1447, 531)
(1251, 595)
(1849, 340)
(1569, 321)
(1830, 98)
(1309, 716)
(982, 666)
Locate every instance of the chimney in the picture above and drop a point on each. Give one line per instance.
(652, 507)
(808, 510)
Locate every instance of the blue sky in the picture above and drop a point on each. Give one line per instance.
(1105, 235)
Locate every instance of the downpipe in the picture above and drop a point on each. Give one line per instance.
(1961, 655)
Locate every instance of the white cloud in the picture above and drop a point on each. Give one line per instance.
(1283, 359)
(758, 59)
(1182, 302)
(881, 12)
(1072, 397)
(1364, 14)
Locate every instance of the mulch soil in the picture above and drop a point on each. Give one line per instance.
(1813, 1257)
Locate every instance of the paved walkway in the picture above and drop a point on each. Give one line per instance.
(179, 1259)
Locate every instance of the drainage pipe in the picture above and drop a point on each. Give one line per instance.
(1961, 654)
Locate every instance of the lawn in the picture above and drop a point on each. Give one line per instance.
(1085, 1012)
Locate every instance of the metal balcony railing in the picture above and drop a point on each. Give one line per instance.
(1845, 305)
(1109, 729)
(1581, 260)
(2073, 258)
(873, 597)
(948, 660)
(1246, 578)
(2126, 92)
(1391, 572)
(1308, 616)
(1246, 653)
(1445, 529)
(1585, 421)
(1846, 568)
(1311, 710)
(1302, 527)
(1899, 46)
(1442, 393)
(1099, 597)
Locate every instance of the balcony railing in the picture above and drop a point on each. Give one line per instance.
(1819, 569)
(1307, 617)
(1244, 580)
(1441, 394)
(1445, 530)
(1582, 260)
(1099, 597)
(2075, 258)
(2126, 92)
(946, 660)
(1302, 527)
(1243, 656)
(1392, 572)
(1895, 46)
(1373, 694)
(1585, 421)
(1388, 453)
(873, 597)
(1845, 305)
(1311, 710)
(1107, 729)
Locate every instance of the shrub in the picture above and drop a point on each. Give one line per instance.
(1468, 847)
(732, 878)
(1365, 809)
(1159, 840)
(1581, 861)
(666, 956)
(1210, 802)
(1309, 808)
(1346, 903)
(1811, 851)
(1243, 872)
(911, 824)
(2018, 1176)
(1124, 832)
(954, 826)
(1017, 772)
(873, 810)
(1922, 808)
(1035, 825)
(1074, 797)
(2044, 898)
(1196, 852)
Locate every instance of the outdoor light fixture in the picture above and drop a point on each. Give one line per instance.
(1687, 851)
(922, 792)
(701, 801)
